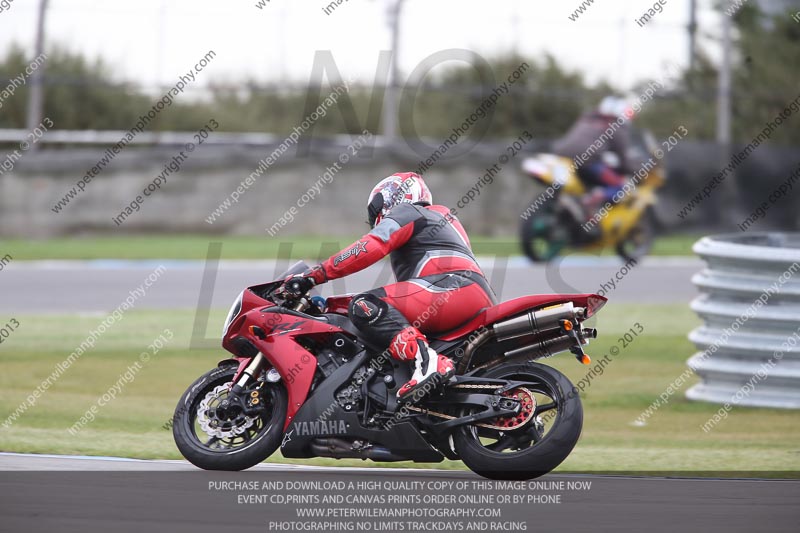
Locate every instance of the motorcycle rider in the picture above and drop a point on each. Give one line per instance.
(437, 278)
(603, 172)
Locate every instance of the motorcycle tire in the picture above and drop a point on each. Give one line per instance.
(549, 450)
(263, 443)
(538, 237)
(639, 241)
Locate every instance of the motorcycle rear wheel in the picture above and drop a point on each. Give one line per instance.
(639, 241)
(239, 441)
(533, 449)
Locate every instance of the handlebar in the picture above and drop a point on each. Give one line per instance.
(292, 300)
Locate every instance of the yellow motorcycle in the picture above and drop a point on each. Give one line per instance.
(557, 218)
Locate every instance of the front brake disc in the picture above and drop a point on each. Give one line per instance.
(238, 426)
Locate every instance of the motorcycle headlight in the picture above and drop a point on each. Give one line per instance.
(233, 313)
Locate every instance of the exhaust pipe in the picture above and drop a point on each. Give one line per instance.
(550, 347)
(545, 348)
(534, 322)
(342, 449)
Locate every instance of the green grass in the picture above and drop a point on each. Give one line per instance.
(761, 440)
(675, 244)
(245, 247)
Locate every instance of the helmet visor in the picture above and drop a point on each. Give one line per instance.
(374, 209)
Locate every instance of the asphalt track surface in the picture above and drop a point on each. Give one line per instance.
(100, 286)
(66, 494)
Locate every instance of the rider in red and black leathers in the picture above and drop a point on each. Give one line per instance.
(439, 283)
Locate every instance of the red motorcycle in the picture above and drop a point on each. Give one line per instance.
(302, 379)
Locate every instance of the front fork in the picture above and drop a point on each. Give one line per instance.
(248, 402)
(251, 372)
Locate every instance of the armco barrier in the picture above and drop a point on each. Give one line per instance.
(750, 305)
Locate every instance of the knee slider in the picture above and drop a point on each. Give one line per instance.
(366, 309)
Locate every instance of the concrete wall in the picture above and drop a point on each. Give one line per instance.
(29, 191)
(209, 176)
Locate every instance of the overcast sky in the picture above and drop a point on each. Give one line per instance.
(154, 41)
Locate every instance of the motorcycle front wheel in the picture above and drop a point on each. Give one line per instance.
(535, 441)
(541, 236)
(214, 434)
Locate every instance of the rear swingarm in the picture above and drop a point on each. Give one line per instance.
(495, 407)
